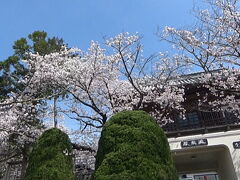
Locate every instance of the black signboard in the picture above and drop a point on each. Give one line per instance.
(195, 142)
(236, 145)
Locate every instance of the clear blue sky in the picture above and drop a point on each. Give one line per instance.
(79, 21)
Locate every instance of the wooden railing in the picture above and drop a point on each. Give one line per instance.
(201, 122)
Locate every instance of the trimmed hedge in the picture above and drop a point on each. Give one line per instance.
(133, 147)
(48, 161)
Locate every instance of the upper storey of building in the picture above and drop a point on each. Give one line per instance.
(196, 119)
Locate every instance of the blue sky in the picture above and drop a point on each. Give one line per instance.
(79, 21)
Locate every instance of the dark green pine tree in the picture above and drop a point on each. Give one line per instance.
(133, 147)
(51, 157)
(13, 68)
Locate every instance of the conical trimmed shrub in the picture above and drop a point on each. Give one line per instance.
(49, 159)
(133, 147)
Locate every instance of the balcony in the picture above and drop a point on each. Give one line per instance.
(198, 122)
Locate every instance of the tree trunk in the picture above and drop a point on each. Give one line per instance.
(24, 166)
(55, 111)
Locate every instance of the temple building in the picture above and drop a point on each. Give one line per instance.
(205, 144)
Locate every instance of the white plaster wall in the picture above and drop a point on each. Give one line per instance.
(221, 138)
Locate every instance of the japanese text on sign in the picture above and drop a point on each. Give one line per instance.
(195, 142)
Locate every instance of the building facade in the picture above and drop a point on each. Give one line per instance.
(211, 156)
(205, 143)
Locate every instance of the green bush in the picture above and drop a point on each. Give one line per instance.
(48, 161)
(133, 147)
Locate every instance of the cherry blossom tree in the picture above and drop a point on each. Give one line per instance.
(213, 45)
(102, 81)
(20, 127)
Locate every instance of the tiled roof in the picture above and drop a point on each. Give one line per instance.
(191, 78)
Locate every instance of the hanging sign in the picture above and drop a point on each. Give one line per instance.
(195, 142)
(236, 145)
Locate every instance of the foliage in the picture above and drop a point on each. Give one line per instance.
(13, 69)
(20, 113)
(19, 128)
(48, 160)
(132, 146)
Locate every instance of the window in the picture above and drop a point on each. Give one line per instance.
(191, 120)
(202, 176)
(206, 177)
